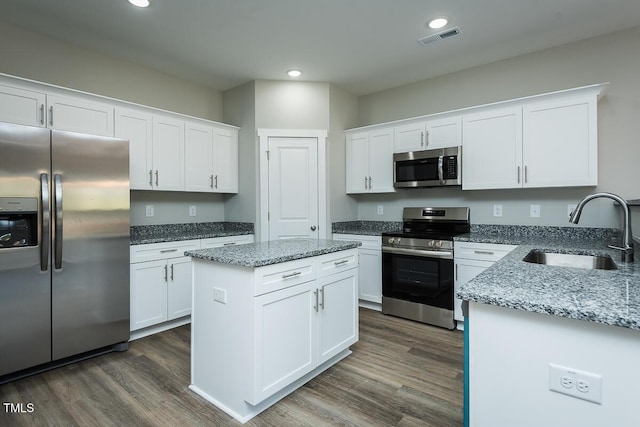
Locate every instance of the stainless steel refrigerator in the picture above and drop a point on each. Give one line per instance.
(64, 246)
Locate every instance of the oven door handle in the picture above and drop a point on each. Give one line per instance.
(418, 252)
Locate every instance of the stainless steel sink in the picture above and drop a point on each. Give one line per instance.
(598, 262)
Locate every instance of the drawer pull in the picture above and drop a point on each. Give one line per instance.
(164, 251)
(229, 244)
(344, 261)
(295, 273)
(484, 252)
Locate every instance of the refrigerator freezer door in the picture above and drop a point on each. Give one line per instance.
(90, 212)
(25, 284)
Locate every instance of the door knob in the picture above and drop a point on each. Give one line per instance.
(313, 228)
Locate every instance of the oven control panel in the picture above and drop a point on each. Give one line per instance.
(417, 243)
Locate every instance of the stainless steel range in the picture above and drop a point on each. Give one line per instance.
(417, 265)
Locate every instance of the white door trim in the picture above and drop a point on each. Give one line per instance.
(264, 135)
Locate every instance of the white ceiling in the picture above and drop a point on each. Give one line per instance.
(363, 46)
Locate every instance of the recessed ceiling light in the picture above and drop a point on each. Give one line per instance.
(140, 3)
(294, 73)
(438, 22)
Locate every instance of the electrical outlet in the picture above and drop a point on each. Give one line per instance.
(380, 210)
(570, 209)
(572, 382)
(150, 212)
(192, 210)
(497, 210)
(534, 211)
(220, 295)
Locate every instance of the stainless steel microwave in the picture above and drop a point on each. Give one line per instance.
(428, 168)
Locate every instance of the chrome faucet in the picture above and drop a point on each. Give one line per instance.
(627, 236)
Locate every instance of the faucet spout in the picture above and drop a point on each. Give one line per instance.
(627, 236)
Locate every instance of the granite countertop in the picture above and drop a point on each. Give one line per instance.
(610, 297)
(366, 228)
(271, 252)
(144, 234)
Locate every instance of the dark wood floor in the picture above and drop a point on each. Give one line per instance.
(401, 373)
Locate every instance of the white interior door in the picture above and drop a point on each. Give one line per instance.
(293, 188)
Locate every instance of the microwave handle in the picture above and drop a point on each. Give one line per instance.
(440, 169)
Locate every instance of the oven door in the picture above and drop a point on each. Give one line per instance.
(420, 276)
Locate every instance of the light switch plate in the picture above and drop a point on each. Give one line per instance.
(534, 211)
(497, 210)
(192, 210)
(149, 211)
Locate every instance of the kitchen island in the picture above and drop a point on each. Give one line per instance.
(268, 317)
(553, 345)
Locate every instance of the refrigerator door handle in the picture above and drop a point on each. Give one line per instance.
(57, 179)
(45, 222)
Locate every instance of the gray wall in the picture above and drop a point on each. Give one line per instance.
(172, 207)
(613, 58)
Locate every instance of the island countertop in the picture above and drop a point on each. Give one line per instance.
(271, 252)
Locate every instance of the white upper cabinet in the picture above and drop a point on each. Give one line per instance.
(536, 144)
(370, 162)
(427, 135)
(69, 113)
(211, 159)
(560, 143)
(492, 149)
(136, 126)
(168, 153)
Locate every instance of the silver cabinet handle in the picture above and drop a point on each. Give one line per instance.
(313, 228)
(216, 179)
(484, 252)
(369, 183)
(315, 306)
(295, 273)
(427, 139)
(57, 179)
(525, 174)
(164, 251)
(321, 292)
(365, 183)
(51, 116)
(518, 174)
(344, 261)
(156, 177)
(42, 114)
(211, 181)
(151, 177)
(172, 272)
(44, 222)
(165, 273)
(229, 244)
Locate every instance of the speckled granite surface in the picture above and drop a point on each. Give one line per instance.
(524, 234)
(368, 228)
(610, 297)
(271, 252)
(145, 234)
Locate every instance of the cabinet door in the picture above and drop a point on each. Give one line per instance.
(284, 339)
(136, 127)
(78, 115)
(560, 143)
(357, 163)
(410, 137)
(370, 281)
(225, 161)
(168, 153)
(445, 132)
(492, 149)
(179, 287)
(338, 309)
(466, 269)
(22, 107)
(148, 293)
(198, 158)
(381, 161)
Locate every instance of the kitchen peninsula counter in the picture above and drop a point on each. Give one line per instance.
(268, 317)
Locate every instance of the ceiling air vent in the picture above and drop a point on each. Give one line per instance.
(442, 35)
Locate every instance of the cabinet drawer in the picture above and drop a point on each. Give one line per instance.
(368, 242)
(216, 242)
(481, 251)
(165, 250)
(280, 276)
(337, 262)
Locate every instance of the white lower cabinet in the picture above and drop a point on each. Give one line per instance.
(260, 333)
(471, 259)
(370, 268)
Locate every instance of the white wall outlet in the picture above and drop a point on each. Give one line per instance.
(497, 210)
(570, 209)
(192, 210)
(575, 383)
(149, 210)
(220, 295)
(534, 211)
(380, 209)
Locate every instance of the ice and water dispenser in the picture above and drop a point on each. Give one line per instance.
(18, 222)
